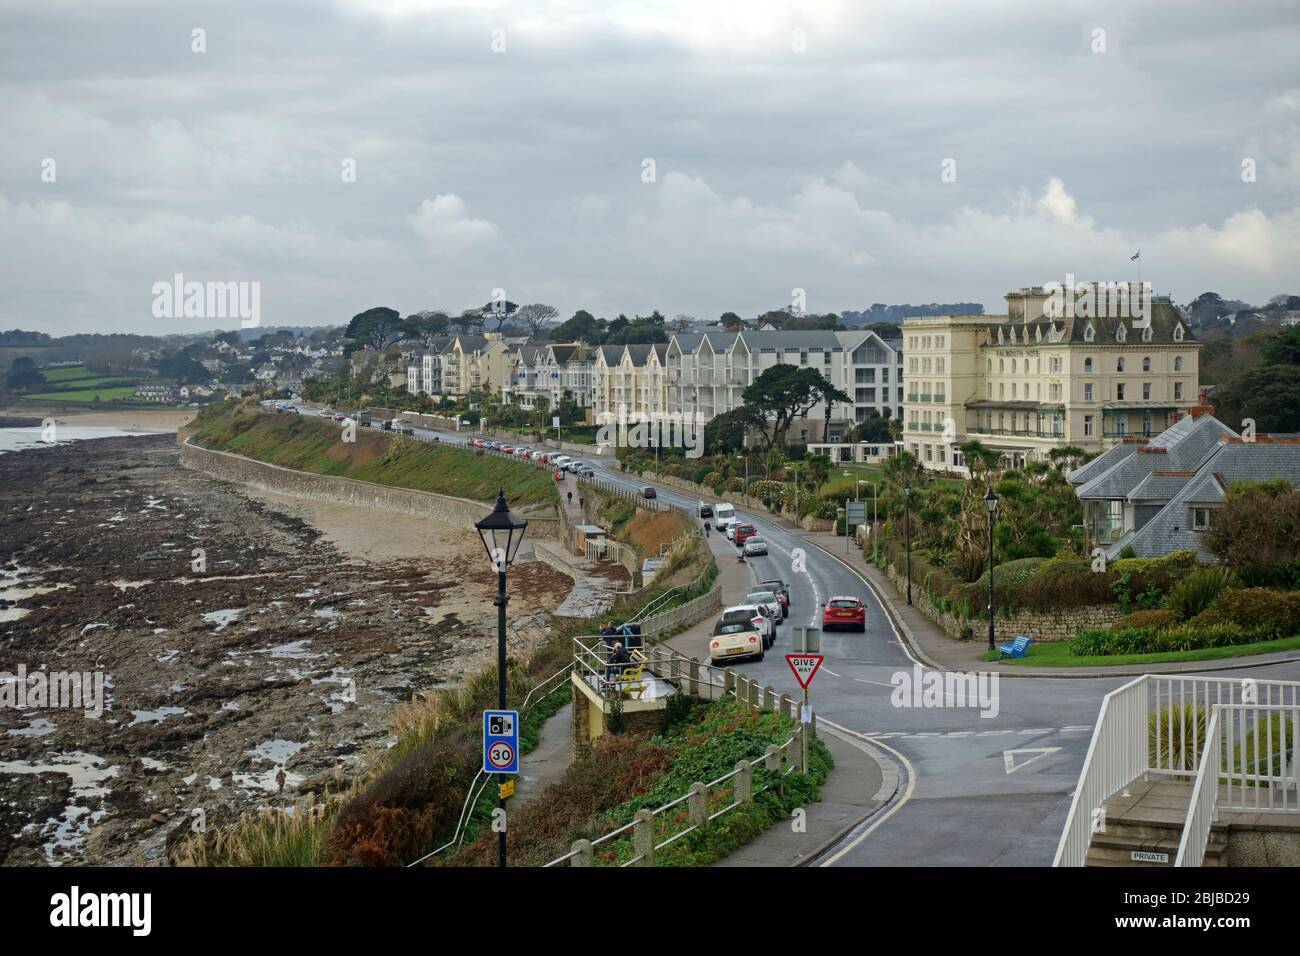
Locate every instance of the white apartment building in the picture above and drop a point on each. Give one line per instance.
(1029, 381)
(708, 373)
(631, 379)
(551, 371)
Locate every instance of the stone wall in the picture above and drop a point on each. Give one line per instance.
(1046, 626)
(303, 484)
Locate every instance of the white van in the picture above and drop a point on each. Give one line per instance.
(722, 513)
(560, 461)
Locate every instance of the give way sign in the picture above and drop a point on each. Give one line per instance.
(804, 667)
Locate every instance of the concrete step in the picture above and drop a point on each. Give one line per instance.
(1116, 847)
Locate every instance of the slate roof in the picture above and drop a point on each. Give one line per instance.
(1164, 320)
(1226, 462)
(1180, 447)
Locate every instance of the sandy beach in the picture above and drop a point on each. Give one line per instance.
(144, 421)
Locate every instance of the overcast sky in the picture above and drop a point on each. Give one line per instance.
(795, 145)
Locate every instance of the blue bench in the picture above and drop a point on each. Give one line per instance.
(1016, 648)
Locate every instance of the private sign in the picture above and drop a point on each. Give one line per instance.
(804, 667)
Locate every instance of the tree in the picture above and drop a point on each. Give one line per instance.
(1259, 523)
(1269, 394)
(985, 463)
(782, 393)
(816, 470)
(1282, 348)
(725, 433)
(426, 326)
(23, 374)
(902, 468)
(1067, 457)
(582, 326)
(375, 328)
(682, 322)
(731, 322)
(829, 394)
(536, 317)
(873, 429)
(471, 320)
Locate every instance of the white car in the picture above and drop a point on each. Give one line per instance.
(754, 614)
(768, 603)
(736, 637)
(560, 462)
(729, 528)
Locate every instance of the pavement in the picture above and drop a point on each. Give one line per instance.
(546, 763)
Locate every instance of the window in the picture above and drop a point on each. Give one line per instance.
(1146, 391)
(938, 365)
(1002, 390)
(990, 362)
(990, 388)
(1146, 424)
(1146, 334)
(1178, 363)
(1013, 389)
(1002, 365)
(1013, 366)
(1119, 392)
(1146, 363)
(1087, 364)
(1119, 364)
(1200, 519)
(1178, 333)
(941, 455)
(1087, 391)
(803, 358)
(1178, 391)
(1087, 426)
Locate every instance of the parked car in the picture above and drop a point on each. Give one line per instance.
(743, 532)
(767, 602)
(844, 611)
(559, 461)
(728, 527)
(754, 614)
(779, 588)
(755, 545)
(649, 492)
(576, 466)
(508, 449)
(543, 457)
(736, 638)
(704, 510)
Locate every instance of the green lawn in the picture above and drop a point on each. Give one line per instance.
(62, 376)
(1057, 654)
(112, 393)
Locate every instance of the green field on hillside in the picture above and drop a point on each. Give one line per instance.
(310, 444)
(112, 393)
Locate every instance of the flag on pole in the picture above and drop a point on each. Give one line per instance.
(1136, 255)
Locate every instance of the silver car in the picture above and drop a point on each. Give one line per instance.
(754, 545)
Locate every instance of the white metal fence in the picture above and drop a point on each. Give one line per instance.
(1160, 725)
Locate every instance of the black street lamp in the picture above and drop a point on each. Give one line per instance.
(907, 522)
(501, 531)
(991, 502)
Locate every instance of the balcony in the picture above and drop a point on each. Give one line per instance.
(912, 397)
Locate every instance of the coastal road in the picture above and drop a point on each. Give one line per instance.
(980, 786)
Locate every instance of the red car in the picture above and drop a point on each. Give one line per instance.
(844, 611)
(744, 531)
(508, 449)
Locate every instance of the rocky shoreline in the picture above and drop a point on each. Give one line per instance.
(233, 639)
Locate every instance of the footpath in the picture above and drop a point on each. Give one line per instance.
(927, 642)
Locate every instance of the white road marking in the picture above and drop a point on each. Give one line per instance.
(1009, 762)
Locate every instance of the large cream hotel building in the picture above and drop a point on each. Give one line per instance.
(1035, 379)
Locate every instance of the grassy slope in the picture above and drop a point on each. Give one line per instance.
(310, 444)
(1057, 654)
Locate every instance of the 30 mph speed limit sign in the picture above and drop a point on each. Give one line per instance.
(500, 741)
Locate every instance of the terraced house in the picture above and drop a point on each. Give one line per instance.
(550, 372)
(1029, 381)
(709, 372)
(631, 379)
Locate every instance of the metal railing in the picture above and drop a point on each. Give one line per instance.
(1116, 757)
(481, 779)
(777, 759)
(1202, 811)
(1157, 725)
(1248, 764)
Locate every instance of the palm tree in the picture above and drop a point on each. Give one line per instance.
(773, 460)
(902, 468)
(816, 469)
